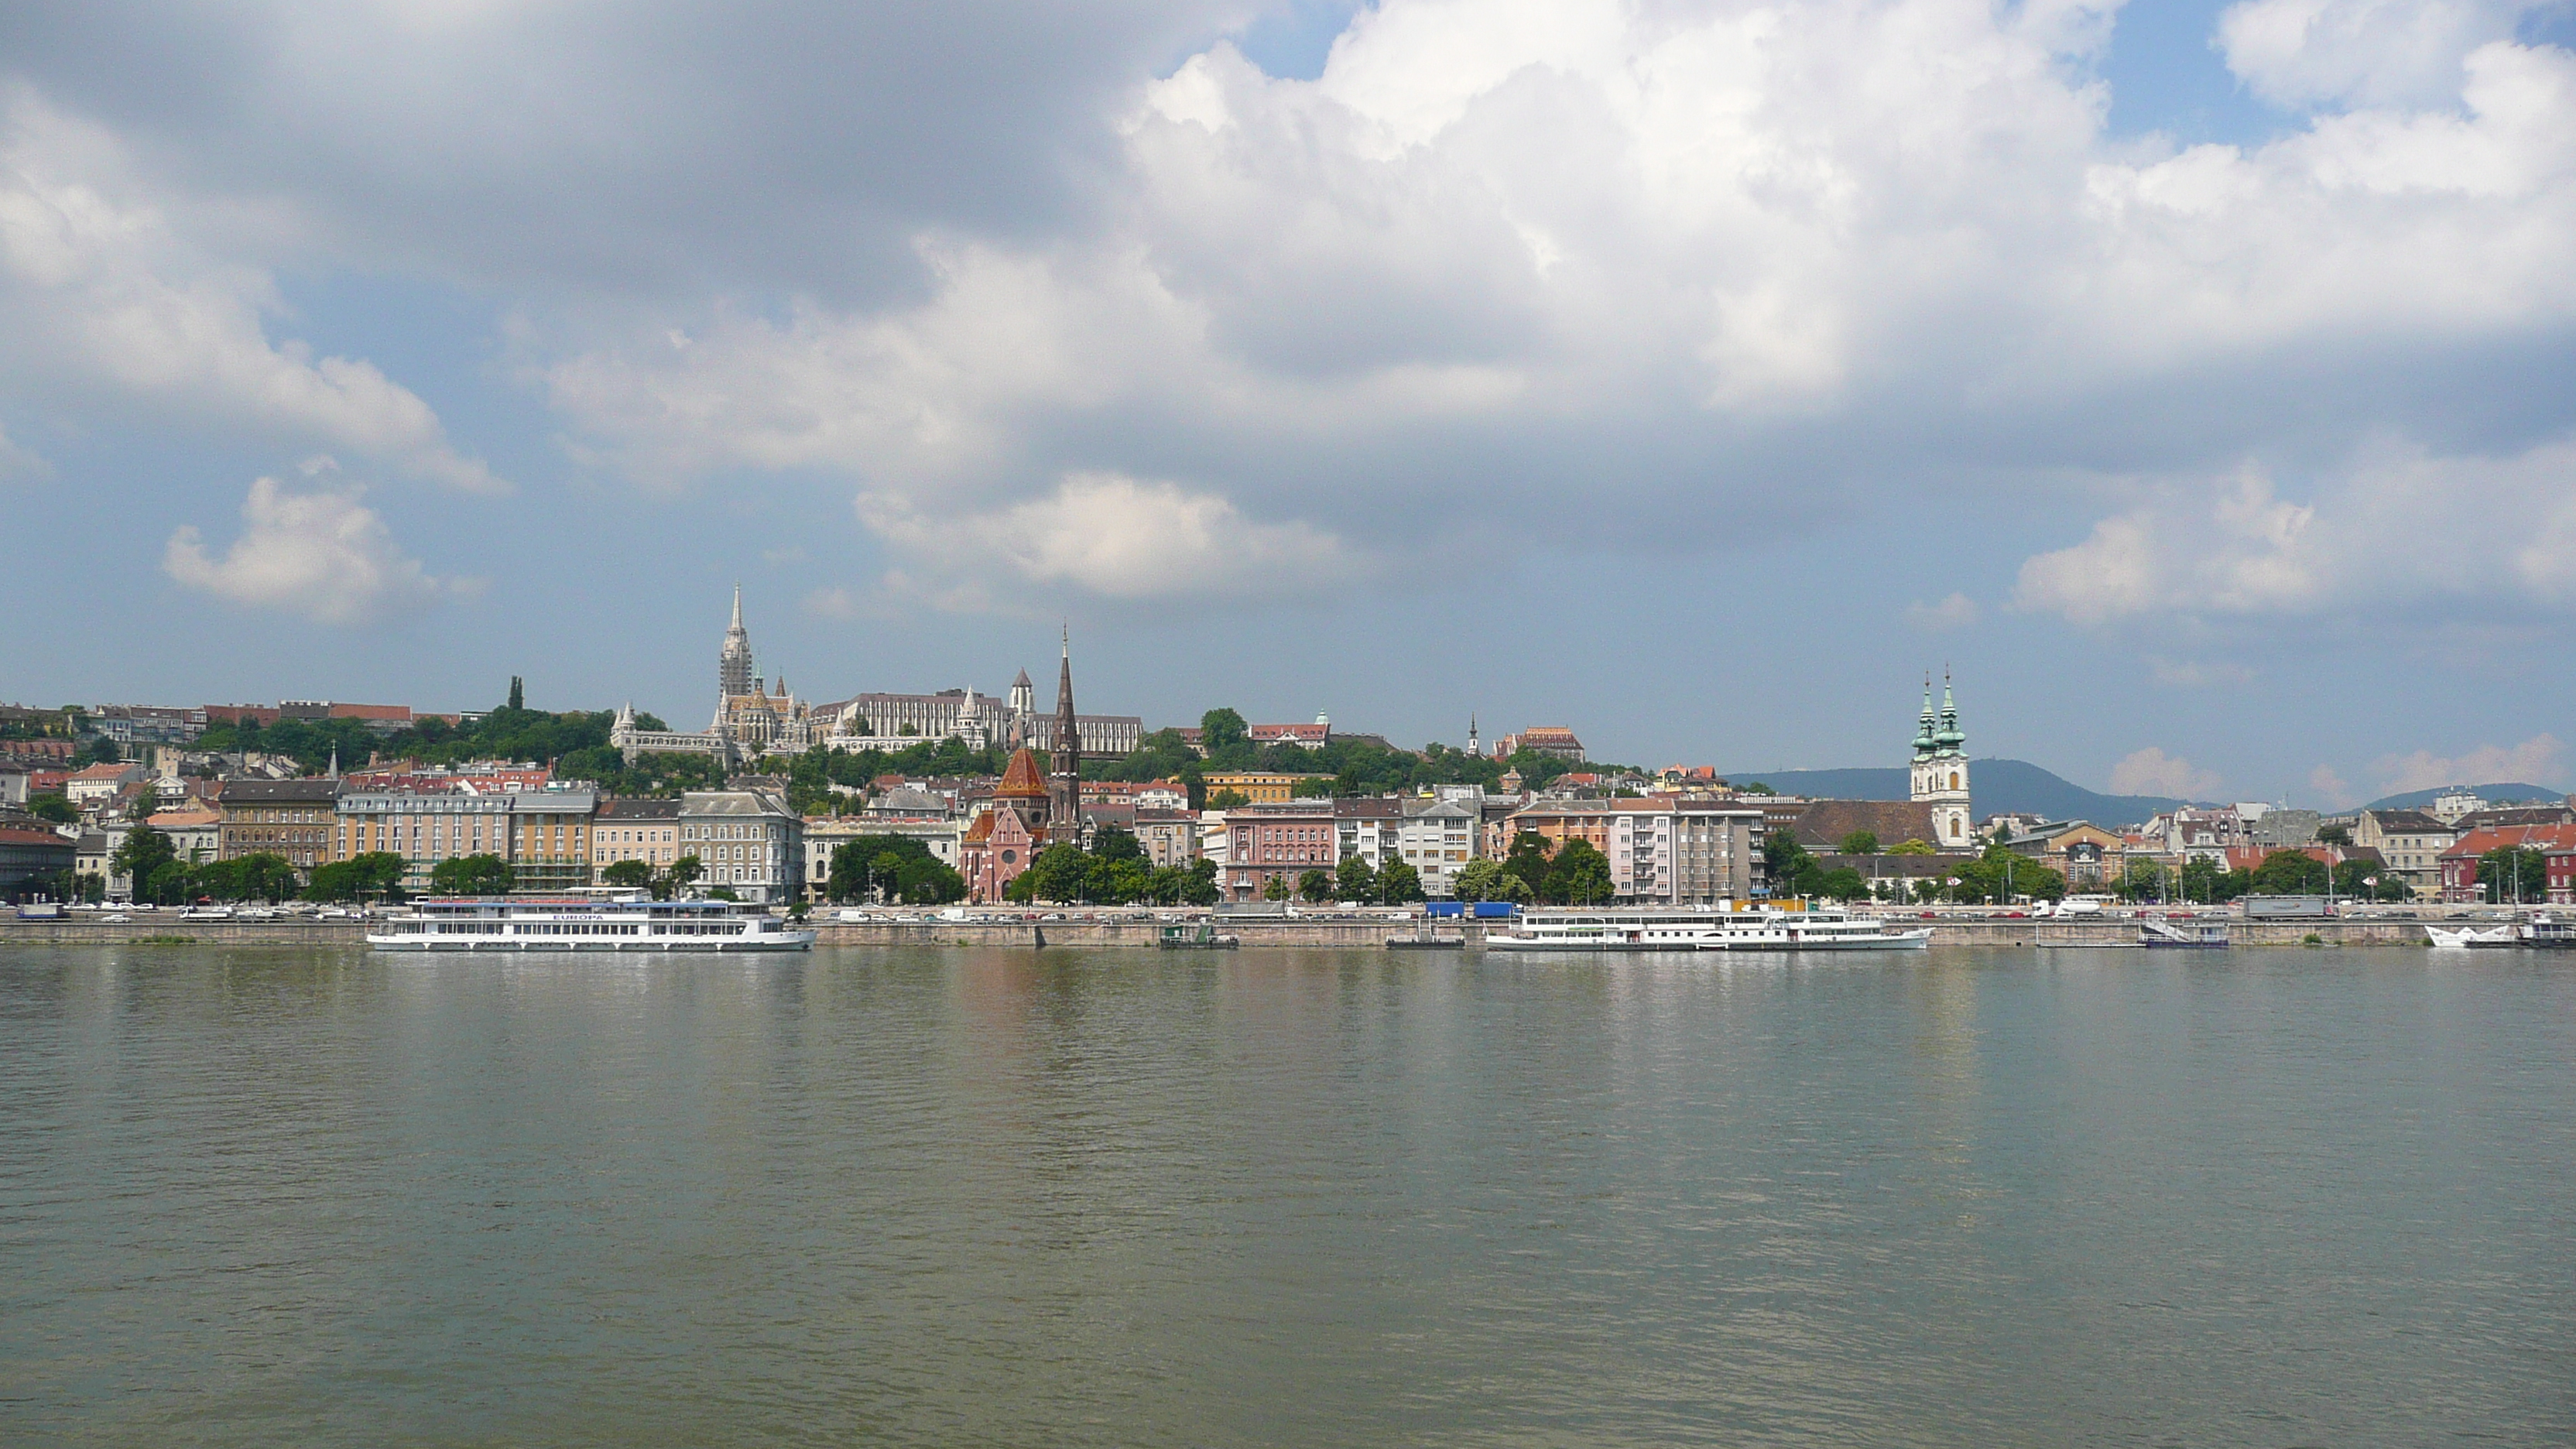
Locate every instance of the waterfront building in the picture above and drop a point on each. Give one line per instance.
(31, 855)
(746, 840)
(2412, 842)
(1661, 850)
(634, 829)
(1437, 837)
(941, 834)
(1170, 837)
(1257, 787)
(2459, 861)
(1001, 842)
(1277, 839)
(1370, 827)
(292, 818)
(543, 835)
(2090, 857)
(1941, 770)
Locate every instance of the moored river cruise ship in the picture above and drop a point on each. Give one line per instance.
(584, 923)
(1710, 928)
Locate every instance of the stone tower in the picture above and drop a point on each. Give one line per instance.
(1064, 772)
(1941, 769)
(733, 666)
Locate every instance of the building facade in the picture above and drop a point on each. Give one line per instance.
(634, 829)
(999, 845)
(1257, 787)
(543, 835)
(293, 818)
(2412, 842)
(1278, 840)
(745, 840)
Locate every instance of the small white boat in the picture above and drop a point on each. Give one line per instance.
(584, 923)
(2461, 938)
(1710, 928)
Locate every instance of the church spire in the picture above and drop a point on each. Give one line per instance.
(733, 665)
(1064, 784)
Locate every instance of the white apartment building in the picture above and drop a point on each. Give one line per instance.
(1437, 838)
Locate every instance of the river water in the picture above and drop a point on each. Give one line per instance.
(264, 1196)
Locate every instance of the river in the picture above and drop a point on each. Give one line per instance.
(912, 1196)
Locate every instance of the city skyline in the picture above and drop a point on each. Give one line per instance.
(2193, 378)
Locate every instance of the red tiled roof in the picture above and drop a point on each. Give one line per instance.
(1020, 781)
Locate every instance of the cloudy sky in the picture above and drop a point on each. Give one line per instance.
(2194, 380)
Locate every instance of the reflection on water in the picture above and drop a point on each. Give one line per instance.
(259, 1196)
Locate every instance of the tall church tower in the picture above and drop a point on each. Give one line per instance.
(733, 666)
(1941, 769)
(1064, 772)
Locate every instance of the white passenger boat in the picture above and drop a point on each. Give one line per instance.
(1758, 928)
(2542, 932)
(584, 923)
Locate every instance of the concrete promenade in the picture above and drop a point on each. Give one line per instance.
(1293, 932)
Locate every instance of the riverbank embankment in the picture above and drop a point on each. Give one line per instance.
(1292, 932)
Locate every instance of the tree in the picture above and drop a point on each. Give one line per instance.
(518, 694)
(1399, 884)
(1228, 800)
(1509, 887)
(1844, 883)
(1315, 886)
(1275, 888)
(683, 874)
(1859, 842)
(1578, 875)
(1475, 880)
(631, 874)
(1912, 847)
(52, 808)
(2290, 873)
(1527, 858)
(1355, 881)
(2144, 880)
(1058, 874)
(142, 856)
(377, 873)
(101, 751)
(722, 893)
(1221, 729)
(2334, 835)
(472, 875)
(146, 800)
(2368, 880)
(1115, 843)
(2512, 874)
(1783, 859)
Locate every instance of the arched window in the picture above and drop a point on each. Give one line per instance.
(1954, 779)
(1954, 827)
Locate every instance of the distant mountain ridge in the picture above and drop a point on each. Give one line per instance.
(2492, 794)
(1995, 787)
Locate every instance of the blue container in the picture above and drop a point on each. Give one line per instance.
(1495, 910)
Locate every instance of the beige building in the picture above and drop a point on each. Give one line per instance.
(1662, 850)
(747, 841)
(544, 835)
(645, 830)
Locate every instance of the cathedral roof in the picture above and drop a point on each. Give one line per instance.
(1021, 781)
(980, 831)
(1023, 681)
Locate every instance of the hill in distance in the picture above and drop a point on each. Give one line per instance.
(1995, 787)
(2492, 794)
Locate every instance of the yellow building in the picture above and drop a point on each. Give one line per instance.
(543, 834)
(1257, 786)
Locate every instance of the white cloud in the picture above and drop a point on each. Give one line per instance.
(2395, 526)
(2539, 760)
(1958, 611)
(1501, 245)
(1113, 536)
(2331, 788)
(2307, 52)
(320, 554)
(2153, 772)
(108, 305)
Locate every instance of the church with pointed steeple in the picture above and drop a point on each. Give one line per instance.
(1064, 760)
(1941, 769)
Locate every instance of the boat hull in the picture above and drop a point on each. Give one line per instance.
(766, 942)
